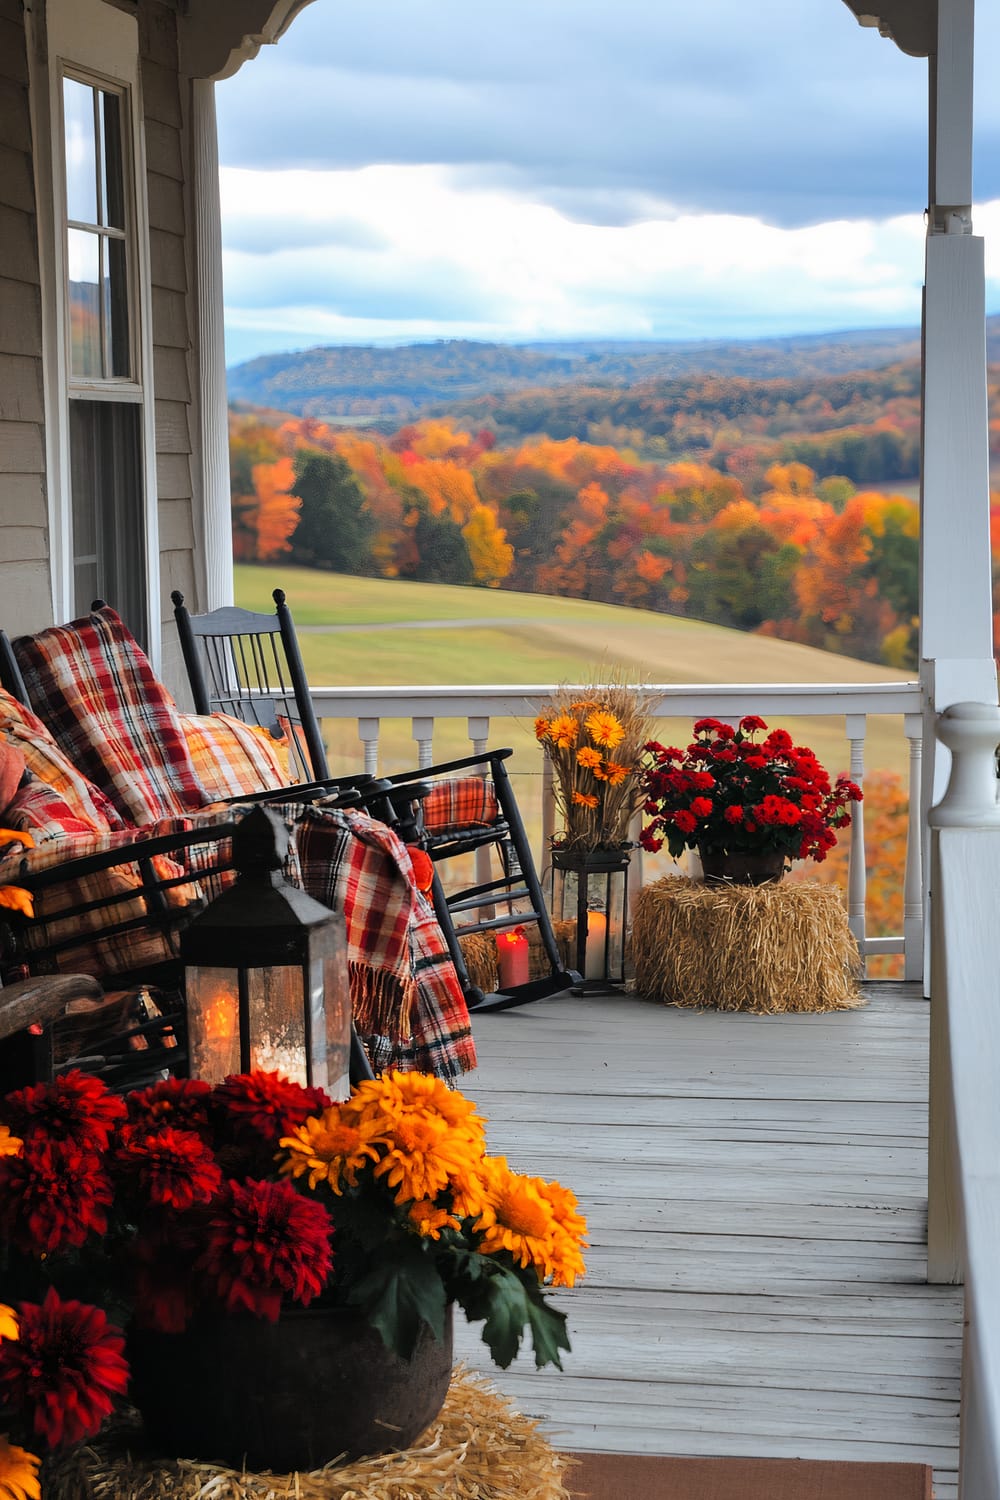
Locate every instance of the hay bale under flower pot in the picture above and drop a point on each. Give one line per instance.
(767, 948)
(479, 1448)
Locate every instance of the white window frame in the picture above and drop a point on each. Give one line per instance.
(94, 43)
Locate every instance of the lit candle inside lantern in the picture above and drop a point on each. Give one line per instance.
(597, 931)
(512, 953)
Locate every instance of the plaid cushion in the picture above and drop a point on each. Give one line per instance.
(94, 688)
(464, 802)
(232, 758)
(45, 760)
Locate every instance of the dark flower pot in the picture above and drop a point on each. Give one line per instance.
(289, 1395)
(742, 866)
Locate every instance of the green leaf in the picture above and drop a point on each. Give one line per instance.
(399, 1296)
(548, 1332)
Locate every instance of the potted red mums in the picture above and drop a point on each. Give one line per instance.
(748, 804)
(175, 1248)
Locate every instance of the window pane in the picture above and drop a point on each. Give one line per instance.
(107, 504)
(111, 155)
(81, 156)
(116, 308)
(84, 302)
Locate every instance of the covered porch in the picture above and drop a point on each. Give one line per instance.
(756, 1189)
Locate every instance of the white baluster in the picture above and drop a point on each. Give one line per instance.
(423, 733)
(368, 732)
(971, 732)
(479, 734)
(857, 880)
(913, 886)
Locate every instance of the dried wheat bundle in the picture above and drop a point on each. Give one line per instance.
(479, 949)
(478, 1449)
(766, 948)
(594, 736)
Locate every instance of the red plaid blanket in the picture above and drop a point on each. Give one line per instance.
(403, 983)
(460, 803)
(94, 688)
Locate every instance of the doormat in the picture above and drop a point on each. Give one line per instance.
(626, 1476)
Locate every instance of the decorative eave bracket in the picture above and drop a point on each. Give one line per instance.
(911, 24)
(218, 36)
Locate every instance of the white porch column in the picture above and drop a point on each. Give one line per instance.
(955, 585)
(217, 526)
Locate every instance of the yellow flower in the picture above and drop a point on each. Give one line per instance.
(585, 799)
(422, 1157)
(10, 1145)
(517, 1217)
(604, 729)
(18, 1473)
(8, 1322)
(588, 758)
(566, 1258)
(330, 1149)
(613, 773)
(428, 1218)
(564, 731)
(396, 1094)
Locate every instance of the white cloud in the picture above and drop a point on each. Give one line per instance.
(438, 259)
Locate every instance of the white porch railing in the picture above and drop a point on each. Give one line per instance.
(964, 1154)
(853, 704)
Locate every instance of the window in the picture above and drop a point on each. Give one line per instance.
(100, 440)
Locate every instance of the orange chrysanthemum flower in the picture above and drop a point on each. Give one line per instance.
(542, 727)
(8, 1322)
(396, 1094)
(10, 1144)
(604, 729)
(18, 1472)
(564, 731)
(566, 1259)
(517, 1217)
(330, 1149)
(428, 1218)
(589, 758)
(585, 799)
(613, 773)
(423, 1156)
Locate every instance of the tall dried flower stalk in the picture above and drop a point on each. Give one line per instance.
(593, 736)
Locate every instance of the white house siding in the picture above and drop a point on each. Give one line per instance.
(24, 571)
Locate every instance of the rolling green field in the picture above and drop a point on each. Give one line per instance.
(358, 631)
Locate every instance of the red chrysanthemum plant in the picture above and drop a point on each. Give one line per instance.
(730, 791)
(244, 1200)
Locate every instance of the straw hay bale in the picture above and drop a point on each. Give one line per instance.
(766, 948)
(478, 1449)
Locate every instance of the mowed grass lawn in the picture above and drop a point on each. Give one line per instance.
(396, 633)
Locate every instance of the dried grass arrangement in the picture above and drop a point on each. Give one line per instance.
(478, 1449)
(594, 737)
(767, 948)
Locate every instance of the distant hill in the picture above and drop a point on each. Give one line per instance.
(397, 384)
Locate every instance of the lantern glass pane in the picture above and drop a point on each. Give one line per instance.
(212, 997)
(277, 1021)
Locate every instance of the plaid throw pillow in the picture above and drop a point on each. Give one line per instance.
(465, 802)
(93, 687)
(232, 758)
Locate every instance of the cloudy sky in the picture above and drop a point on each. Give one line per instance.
(397, 170)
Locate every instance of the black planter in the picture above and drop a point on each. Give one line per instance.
(289, 1395)
(742, 866)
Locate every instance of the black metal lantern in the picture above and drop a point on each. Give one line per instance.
(266, 978)
(592, 887)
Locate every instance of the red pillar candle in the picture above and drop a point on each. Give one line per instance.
(512, 952)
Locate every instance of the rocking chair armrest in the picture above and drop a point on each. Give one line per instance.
(41, 1000)
(137, 852)
(466, 763)
(350, 788)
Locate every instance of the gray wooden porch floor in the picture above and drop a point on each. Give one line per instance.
(756, 1193)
